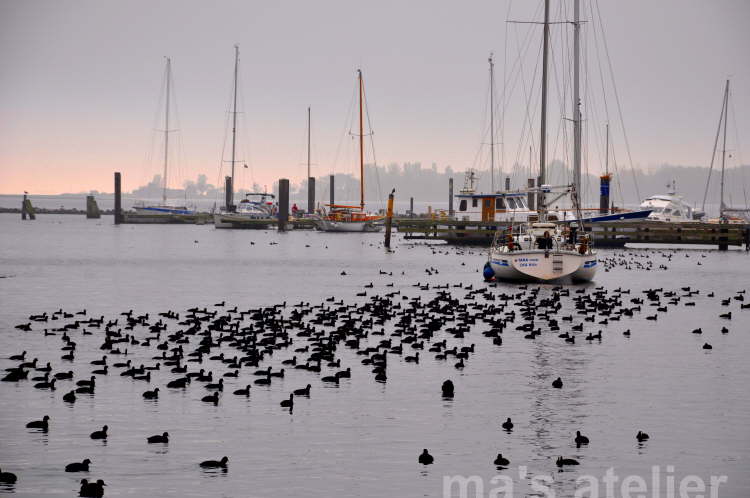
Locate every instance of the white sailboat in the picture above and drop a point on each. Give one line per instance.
(346, 218)
(540, 250)
(164, 208)
(257, 208)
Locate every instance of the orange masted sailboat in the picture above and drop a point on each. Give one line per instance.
(344, 218)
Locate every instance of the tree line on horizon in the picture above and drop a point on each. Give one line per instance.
(428, 184)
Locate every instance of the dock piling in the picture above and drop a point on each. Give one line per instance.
(532, 197)
(283, 215)
(228, 193)
(450, 197)
(118, 198)
(332, 189)
(507, 183)
(310, 195)
(603, 194)
(27, 209)
(411, 207)
(92, 209)
(389, 219)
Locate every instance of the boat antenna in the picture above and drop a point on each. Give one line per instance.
(724, 150)
(230, 197)
(542, 208)
(361, 145)
(166, 132)
(492, 121)
(576, 97)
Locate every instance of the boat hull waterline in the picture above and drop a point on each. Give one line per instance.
(234, 220)
(347, 226)
(533, 265)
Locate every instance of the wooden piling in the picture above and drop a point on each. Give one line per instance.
(332, 189)
(507, 183)
(603, 194)
(283, 215)
(310, 195)
(27, 209)
(411, 207)
(450, 197)
(389, 219)
(531, 196)
(118, 198)
(228, 194)
(92, 209)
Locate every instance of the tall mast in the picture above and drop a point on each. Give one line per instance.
(361, 146)
(576, 98)
(166, 132)
(606, 153)
(308, 142)
(234, 120)
(492, 122)
(542, 208)
(724, 148)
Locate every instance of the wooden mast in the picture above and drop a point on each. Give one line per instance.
(361, 145)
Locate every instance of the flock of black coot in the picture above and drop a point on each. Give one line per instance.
(384, 328)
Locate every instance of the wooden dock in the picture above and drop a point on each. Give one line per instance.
(166, 219)
(605, 234)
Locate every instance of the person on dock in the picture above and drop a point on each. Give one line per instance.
(295, 209)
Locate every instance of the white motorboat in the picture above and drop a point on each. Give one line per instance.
(670, 207)
(255, 208)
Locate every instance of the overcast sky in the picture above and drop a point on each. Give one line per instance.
(80, 82)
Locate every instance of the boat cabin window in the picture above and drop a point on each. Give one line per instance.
(667, 211)
(677, 213)
(511, 203)
(499, 204)
(462, 205)
(521, 203)
(474, 202)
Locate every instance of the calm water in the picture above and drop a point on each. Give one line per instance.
(362, 438)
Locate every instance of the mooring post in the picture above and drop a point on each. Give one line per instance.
(283, 215)
(92, 209)
(389, 220)
(118, 198)
(723, 244)
(23, 207)
(531, 196)
(603, 194)
(450, 197)
(332, 188)
(507, 183)
(310, 195)
(411, 207)
(228, 193)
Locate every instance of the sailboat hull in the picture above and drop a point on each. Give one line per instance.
(233, 220)
(325, 225)
(536, 265)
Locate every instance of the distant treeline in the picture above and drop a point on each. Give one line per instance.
(430, 184)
